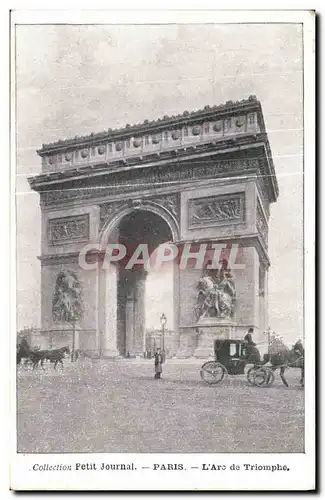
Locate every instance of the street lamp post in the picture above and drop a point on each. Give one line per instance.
(73, 349)
(163, 321)
(268, 339)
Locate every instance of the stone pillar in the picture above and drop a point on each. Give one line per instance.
(176, 299)
(263, 337)
(98, 312)
(76, 338)
(262, 294)
(187, 298)
(266, 299)
(129, 322)
(256, 288)
(247, 312)
(139, 312)
(187, 339)
(108, 307)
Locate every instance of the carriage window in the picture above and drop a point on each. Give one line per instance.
(185, 131)
(207, 128)
(110, 147)
(128, 142)
(166, 136)
(146, 139)
(233, 349)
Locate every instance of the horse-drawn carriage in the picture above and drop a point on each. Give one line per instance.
(36, 356)
(232, 357)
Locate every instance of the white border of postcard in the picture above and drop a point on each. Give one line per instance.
(301, 473)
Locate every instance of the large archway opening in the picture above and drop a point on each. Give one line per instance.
(143, 292)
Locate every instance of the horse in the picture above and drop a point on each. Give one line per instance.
(251, 356)
(23, 350)
(54, 356)
(289, 358)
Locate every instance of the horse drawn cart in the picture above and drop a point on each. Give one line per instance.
(231, 357)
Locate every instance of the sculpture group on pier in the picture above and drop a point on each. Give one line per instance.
(216, 296)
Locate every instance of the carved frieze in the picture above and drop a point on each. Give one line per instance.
(261, 223)
(146, 179)
(171, 202)
(107, 210)
(68, 229)
(217, 210)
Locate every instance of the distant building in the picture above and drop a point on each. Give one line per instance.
(32, 335)
(154, 339)
(276, 344)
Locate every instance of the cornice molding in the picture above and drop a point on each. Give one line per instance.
(187, 117)
(233, 145)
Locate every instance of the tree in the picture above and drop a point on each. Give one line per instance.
(67, 302)
(276, 343)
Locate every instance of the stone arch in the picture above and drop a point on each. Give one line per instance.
(122, 291)
(139, 205)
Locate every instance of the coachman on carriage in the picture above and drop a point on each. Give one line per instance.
(231, 357)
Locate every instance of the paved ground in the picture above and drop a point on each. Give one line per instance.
(119, 407)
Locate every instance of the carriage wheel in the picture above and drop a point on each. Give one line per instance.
(263, 377)
(250, 375)
(213, 372)
(269, 377)
(258, 377)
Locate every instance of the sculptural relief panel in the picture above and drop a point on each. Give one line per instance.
(68, 229)
(216, 210)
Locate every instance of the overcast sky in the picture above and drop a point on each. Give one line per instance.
(74, 80)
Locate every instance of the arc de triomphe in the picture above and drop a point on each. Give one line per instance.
(204, 177)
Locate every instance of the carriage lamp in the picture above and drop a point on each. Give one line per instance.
(163, 321)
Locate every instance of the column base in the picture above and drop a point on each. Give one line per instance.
(187, 343)
(110, 354)
(204, 353)
(208, 332)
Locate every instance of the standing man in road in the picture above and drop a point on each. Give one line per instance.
(159, 360)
